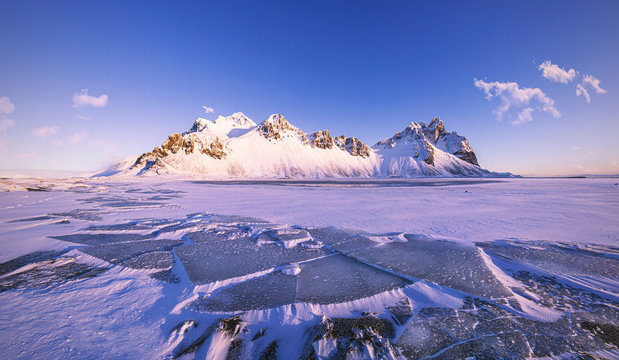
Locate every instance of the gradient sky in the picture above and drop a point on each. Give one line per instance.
(360, 68)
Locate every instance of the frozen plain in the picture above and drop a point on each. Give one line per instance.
(425, 268)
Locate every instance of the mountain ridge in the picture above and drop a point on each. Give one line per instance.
(234, 146)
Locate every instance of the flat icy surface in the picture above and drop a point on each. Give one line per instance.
(429, 268)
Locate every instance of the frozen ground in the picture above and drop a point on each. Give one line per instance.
(437, 268)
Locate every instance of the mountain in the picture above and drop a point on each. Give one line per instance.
(427, 150)
(235, 146)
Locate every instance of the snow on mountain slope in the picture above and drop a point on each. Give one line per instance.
(230, 126)
(235, 146)
(427, 150)
(116, 168)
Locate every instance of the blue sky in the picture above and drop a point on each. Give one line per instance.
(361, 68)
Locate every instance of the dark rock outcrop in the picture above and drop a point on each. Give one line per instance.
(321, 139)
(354, 146)
(275, 126)
(216, 149)
(153, 161)
(449, 141)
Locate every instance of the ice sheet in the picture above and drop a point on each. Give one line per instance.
(447, 269)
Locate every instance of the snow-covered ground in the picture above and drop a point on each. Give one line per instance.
(402, 268)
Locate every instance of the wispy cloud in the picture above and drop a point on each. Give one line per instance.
(555, 73)
(582, 168)
(82, 99)
(514, 97)
(77, 138)
(98, 143)
(207, 109)
(74, 139)
(24, 156)
(576, 148)
(6, 106)
(45, 131)
(83, 138)
(524, 116)
(594, 83)
(82, 117)
(580, 90)
(5, 124)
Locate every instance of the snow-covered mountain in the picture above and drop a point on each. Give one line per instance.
(235, 146)
(427, 150)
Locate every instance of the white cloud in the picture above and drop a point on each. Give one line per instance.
(513, 96)
(74, 139)
(594, 83)
(584, 169)
(5, 124)
(82, 117)
(554, 73)
(580, 90)
(523, 117)
(45, 131)
(82, 99)
(77, 138)
(576, 147)
(6, 106)
(208, 109)
(101, 144)
(591, 81)
(24, 156)
(84, 138)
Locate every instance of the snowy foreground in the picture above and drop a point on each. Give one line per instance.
(439, 268)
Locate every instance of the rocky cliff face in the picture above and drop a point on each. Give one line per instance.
(188, 144)
(450, 142)
(424, 138)
(412, 136)
(321, 140)
(236, 146)
(352, 145)
(276, 127)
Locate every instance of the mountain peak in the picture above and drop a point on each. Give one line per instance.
(223, 124)
(424, 136)
(277, 119)
(199, 125)
(275, 125)
(238, 119)
(436, 121)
